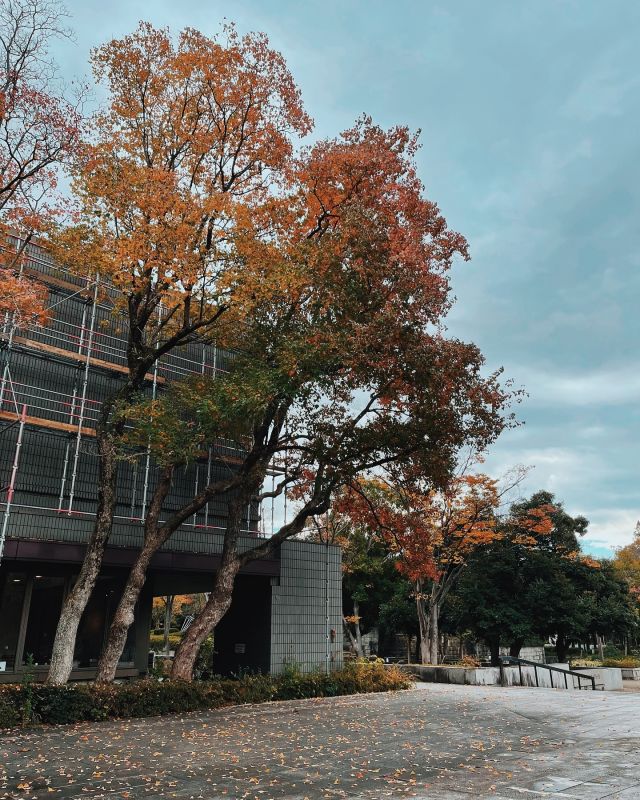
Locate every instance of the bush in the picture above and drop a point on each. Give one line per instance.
(156, 641)
(626, 662)
(144, 698)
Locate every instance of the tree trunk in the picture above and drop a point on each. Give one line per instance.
(77, 599)
(219, 600)
(204, 624)
(494, 648)
(515, 648)
(352, 639)
(434, 634)
(167, 622)
(423, 623)
(561, 649)
(356, 615)
(600, 640)
(124, 616)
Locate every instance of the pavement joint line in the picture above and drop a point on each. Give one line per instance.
(543, 793)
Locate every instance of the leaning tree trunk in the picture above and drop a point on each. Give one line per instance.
(204, 624)
(352, 639)
(77, 599)
(124, 615)
(219, 600)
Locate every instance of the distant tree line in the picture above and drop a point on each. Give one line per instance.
(527, 583)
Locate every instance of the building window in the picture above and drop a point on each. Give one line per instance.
(12, 591)
(46, 603)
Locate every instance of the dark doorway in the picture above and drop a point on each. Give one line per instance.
(243, 637)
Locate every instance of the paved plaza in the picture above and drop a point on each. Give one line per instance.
(434, 741)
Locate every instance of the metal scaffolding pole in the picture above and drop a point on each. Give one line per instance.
(147, 465)
(206, 507)
(72, 412)
(83, 398)
(134, 487)
(12, 481)
(7, 352)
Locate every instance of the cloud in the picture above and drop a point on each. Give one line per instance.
(603, 93)
(609, 386)
(611, 527)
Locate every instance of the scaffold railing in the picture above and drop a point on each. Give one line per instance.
(85, 330)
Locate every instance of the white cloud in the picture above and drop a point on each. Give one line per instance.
(611, 527)
(610, 386)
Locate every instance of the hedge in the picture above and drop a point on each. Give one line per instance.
(37, 703)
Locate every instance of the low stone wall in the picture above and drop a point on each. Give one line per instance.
(630, 673)
(607, 678)
(490, 676)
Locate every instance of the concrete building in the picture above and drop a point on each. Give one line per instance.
(285, 609)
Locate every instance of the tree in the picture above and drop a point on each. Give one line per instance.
(432, 532)
(532, 581)
(627, 564)
(487, 598)
(39, 131)
(339, 368)
(194, 133)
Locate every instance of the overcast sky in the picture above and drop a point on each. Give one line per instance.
(530, 118)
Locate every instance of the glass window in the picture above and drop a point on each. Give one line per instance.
(12, 589)
(46, 602)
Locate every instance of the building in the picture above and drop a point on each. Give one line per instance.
(285, 609)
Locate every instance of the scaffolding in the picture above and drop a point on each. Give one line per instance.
(83, 339)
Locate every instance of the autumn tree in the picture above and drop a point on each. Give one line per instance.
(532, 581)
(341, 365)
(39, 132)
(627, 564)
(194, 133)
(432, 531)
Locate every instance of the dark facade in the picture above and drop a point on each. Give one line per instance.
(52, 380)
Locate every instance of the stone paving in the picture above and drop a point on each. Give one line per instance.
(432, 742)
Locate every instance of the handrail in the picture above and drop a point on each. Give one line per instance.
(536, 664)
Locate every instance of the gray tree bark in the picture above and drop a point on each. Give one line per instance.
(77, 599)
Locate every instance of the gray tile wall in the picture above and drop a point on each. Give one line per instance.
(299, 609)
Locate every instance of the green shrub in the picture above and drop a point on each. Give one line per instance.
(21, 704)
(156, 641)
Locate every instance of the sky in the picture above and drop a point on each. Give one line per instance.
(530, 120)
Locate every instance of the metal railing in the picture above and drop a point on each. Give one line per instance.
(520, 662)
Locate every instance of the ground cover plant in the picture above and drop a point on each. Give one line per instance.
(31, 703)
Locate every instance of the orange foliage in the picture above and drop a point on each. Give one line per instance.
(197, 132)
(431, 531)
